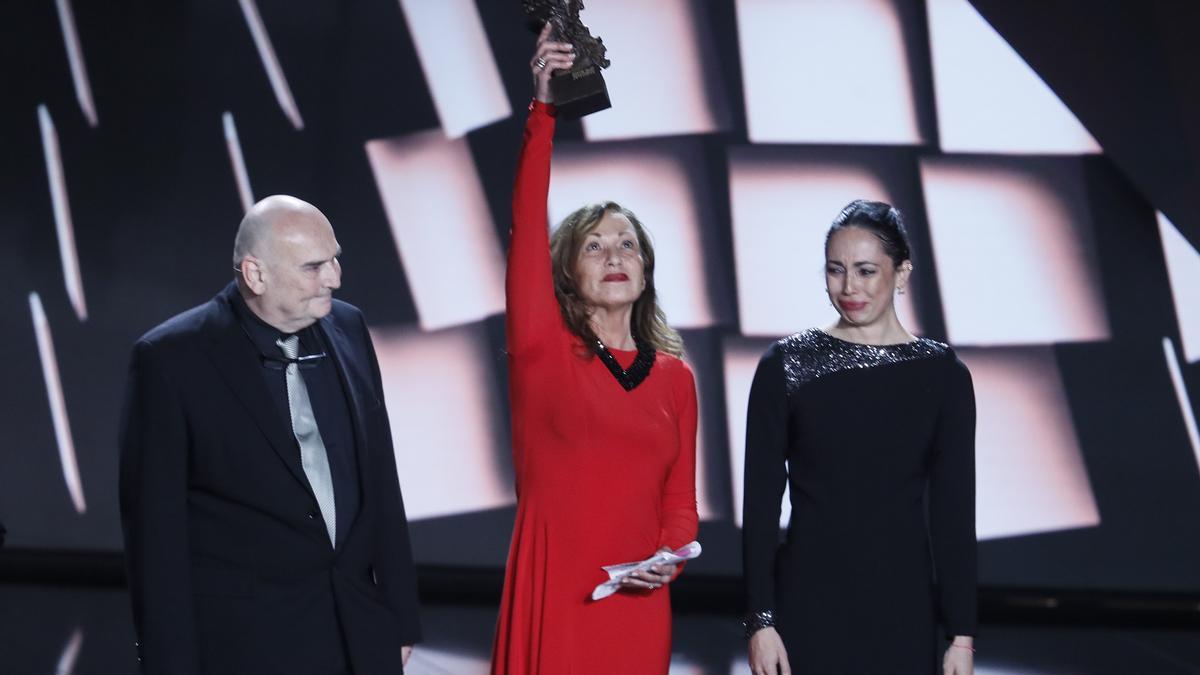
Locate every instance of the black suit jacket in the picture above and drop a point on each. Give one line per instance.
(231, 570)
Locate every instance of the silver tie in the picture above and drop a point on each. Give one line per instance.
(312, 449)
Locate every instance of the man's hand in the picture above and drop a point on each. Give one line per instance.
(405, 652)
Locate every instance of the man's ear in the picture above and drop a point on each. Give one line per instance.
(253, 274)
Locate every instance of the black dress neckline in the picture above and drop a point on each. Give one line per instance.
(890, 345)
(629, 378)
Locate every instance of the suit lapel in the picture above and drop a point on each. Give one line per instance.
(357, 389)
(236, 359)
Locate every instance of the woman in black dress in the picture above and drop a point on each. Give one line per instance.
(873, 429)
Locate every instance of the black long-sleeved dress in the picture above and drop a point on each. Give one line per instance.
(877, 445)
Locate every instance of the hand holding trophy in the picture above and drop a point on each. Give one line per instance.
(571, 57)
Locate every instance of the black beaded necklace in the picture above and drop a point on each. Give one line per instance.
(637, 371)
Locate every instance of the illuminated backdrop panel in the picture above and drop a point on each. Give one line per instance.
(134, 140)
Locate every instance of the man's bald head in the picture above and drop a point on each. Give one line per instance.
(286, 254)
(264, 222)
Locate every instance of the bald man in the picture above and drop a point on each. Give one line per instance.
(264, 527)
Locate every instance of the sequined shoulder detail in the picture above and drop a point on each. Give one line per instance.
(813, 353)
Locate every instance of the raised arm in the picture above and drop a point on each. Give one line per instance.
(532, 309)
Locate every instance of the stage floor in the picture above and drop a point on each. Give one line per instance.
(84, 631)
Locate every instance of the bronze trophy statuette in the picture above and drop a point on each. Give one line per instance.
(581, 90)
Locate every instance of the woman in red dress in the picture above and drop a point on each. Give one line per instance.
(604, 429)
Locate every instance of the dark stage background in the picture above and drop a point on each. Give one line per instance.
(1044, 153)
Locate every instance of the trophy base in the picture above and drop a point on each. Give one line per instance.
(579, 92)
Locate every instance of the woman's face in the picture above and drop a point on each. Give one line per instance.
(860, 278)
(609, 267)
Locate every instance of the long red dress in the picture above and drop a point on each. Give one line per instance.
(603, 475)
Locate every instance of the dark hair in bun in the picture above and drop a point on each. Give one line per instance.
(880, 219)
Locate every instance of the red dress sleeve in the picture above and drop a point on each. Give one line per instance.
(679, 516)
(532, 310)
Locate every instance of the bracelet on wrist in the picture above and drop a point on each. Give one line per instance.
(954, 644)
(758, 621)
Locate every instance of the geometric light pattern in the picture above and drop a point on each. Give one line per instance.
(1015, 258)
(64, 226)
(70, 652)
(658, 54)
(1185, 400)
(79, 77)
(58, 405)
(826, 72)
(738, 130)
(1030, 475)
(270, 63)
(990, 100)
(458, 64)
(237, 162)
(443, 371)
(1183, 268)
(441, 225)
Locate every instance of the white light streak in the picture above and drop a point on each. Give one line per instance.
(67, 253)
(266, 52)
(58, 406)
(234, 146)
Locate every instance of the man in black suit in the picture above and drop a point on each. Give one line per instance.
(264, 528)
